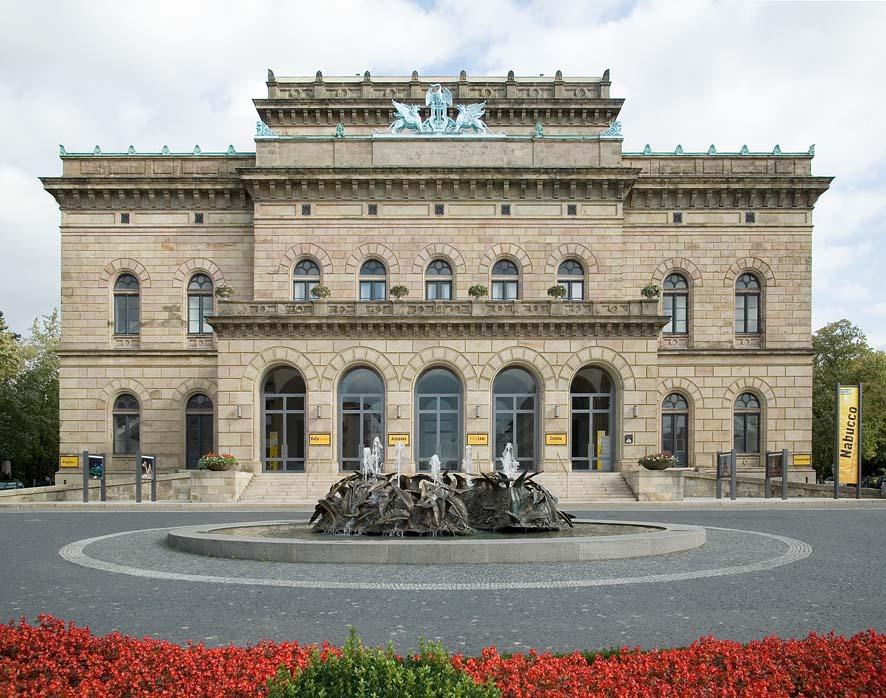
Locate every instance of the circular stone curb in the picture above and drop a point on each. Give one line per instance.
(666, 538)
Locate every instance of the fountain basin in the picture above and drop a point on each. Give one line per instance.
(290, 541)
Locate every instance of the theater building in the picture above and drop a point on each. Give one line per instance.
(190, 322)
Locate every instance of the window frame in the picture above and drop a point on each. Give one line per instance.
(741, 325)
(127, 417)
(514, 410)
(437, 411)
(672, 414)
(201, 296)
(571, 280)
(306, 281)
(373, 282)
(501, 284)
(741, 415)
(199, 412)
(362, 411)
(439, 281)
(129, 301)
(671, 297)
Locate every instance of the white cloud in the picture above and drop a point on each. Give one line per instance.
(182, 73)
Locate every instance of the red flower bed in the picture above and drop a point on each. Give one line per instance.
(52, 659)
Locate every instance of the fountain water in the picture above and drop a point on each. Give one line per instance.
(467, 463)
(398, 459)
(434, 462)
(509, 464)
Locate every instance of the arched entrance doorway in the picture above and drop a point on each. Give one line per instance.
(283, 421)
(438, 416)
(361, 406)
(515, 396)
(592, 399)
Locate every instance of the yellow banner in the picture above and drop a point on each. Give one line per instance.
(555, 439)
(478, 439)
(318, 439)
(394, 439)
(802, 459)
(848, 431)
(69, 461)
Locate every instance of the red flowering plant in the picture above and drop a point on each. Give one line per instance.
(54, 659)
(217, 461)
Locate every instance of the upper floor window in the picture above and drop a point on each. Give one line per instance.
(747, 304)
(746, 424)
(126, 424)
(505, 281)
(373, 281)
(675, 299)
(571, 276)
(305, 276)
(199, 304)
(438, 281)
(126, 297)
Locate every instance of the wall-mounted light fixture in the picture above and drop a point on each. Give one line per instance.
(557, 411)
(476, 411)
(318, 413)
(398, 411)
(635, 411)
(239, 411)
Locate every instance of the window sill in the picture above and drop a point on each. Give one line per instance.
(125, 341)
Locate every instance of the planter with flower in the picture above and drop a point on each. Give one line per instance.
(651, 292)
(217, 462)
(659, 461)
(224, 291)
(557, 292)
(320, 292)
(398, 292)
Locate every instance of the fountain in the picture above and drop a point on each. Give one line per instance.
(373, 503)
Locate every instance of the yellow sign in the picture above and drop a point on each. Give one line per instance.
(394, 439)
(802, 459)
(558, 439)
(318, 440)
(848, 431)
(69, 461)
(478, 439)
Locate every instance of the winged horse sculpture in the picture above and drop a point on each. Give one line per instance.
(469, 117)
(407, 117)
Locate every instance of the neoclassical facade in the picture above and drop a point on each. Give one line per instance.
(195, 316)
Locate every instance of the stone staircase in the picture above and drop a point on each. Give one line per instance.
(301, 490)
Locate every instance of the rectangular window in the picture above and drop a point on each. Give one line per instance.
(740, 324)
(198, 218)
(301, 290)
(372, 290)
(574, 290)
(678, 217)
(126, 314)
(504, 290)
(438, 290)
(571, 209)
(126, 433)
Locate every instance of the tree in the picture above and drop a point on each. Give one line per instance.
(10, 352)
(29, 418)
(843, 355)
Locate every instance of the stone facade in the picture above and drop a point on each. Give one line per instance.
(246, 219)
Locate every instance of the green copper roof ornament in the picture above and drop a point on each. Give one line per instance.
(744, 150)
(678, 150)
(97, 151)
(61, 150)
(130, 150)
(538, 131)
(339, 130)
(812, 149)
(712, 150)
(776, 150)
(197, 150)
(262, 130)
(614, 130)
(231, 150)
(647, 149)
(164, 150)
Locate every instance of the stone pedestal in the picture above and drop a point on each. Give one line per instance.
(220, 486)
(656, 485)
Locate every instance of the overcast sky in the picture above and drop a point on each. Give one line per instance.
(184, 73)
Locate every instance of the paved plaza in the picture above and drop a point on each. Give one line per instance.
(773, 569)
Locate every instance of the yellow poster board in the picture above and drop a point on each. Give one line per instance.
(478, 439)
(555, 439)
(69, 461)
(394, 439)
(319, 440)
(848, 432)
(802, 460)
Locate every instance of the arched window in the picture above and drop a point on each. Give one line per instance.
(438, 416)
(675, 427)
(676, 304)
(126, 295)
(592, 401)
(199, 304)
(505, 281)
(305, 276)
(746, 424)
(571, 276)
(373, 281)
(126, 424)
(283, 418)
(361, 405)
(515, 395)
(438, 281)
(747, 304)
(198, 429)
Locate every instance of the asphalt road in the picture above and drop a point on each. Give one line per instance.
(839, 587)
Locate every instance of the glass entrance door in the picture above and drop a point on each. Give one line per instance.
(438, 401)
(361, 406)
(592, 405)
(283, 418)
(516, 405)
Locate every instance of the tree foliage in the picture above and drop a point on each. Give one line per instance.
(29, 421)
(842, 355)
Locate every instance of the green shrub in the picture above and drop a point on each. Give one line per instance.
(362, 672)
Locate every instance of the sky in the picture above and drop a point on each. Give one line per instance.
(694, 73)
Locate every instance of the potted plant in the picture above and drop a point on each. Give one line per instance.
(477, 291)
(651, 291)
(217, 462)
(398, 292)
(659, 461)
(320, 292)
(224, 291)
(557, 292)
